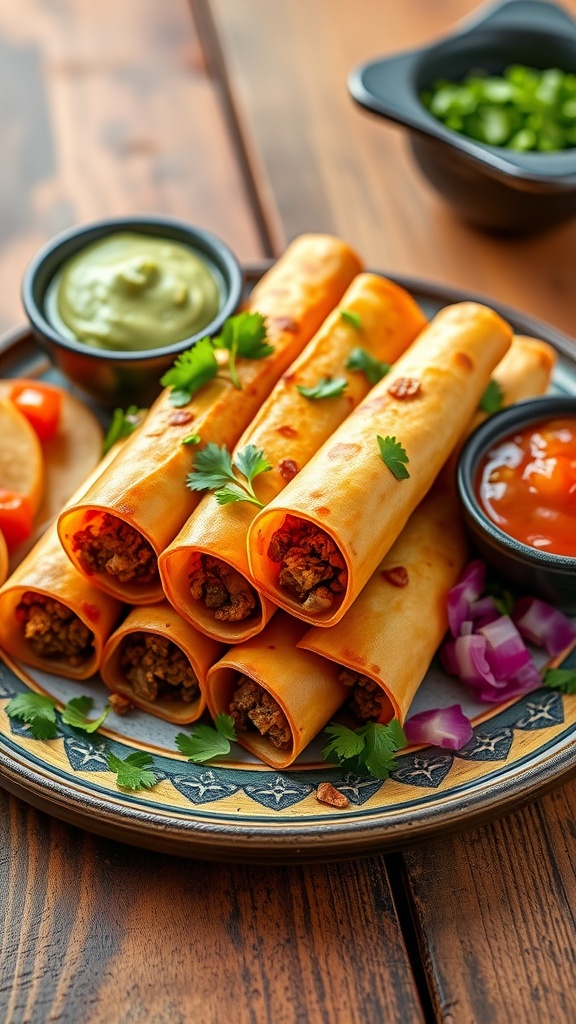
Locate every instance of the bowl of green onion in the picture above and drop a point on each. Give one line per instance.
(491, 113)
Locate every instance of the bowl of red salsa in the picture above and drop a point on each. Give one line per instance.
(517, 483)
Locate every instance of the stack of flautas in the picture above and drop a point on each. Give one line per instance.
(358, 555)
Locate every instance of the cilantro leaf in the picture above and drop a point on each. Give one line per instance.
(371, 747)
(493, 398)
(213, 471)
(361, 359)
(190, 372)
(352, 318)
(133, 772)
(191, 439)
(251, 461)
(563, 679)
(327, 387)
(381, 743)
(344, 745)
(243, 335)
(123, 423)
(75, 714)
(394, 456)
(212, 468)
(206, 743)
(38, 711)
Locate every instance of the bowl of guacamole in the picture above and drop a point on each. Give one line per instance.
(115, 302)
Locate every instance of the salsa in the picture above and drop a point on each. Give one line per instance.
(527, 485)
(130, 291)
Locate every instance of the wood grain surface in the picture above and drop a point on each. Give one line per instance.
(109, 109)
(97, 932)
(337, 168)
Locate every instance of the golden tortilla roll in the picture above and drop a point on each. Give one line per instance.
(67, 619)
(116, 533)
(288, 693)
(209, 553)
(389, 636)
(160, 663)
(312, 549)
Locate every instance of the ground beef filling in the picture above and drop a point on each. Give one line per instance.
(111, 546)
(223, 590)
(311, 568)
(252, 707)
(54, 631)
(155, 667)
(367, 698)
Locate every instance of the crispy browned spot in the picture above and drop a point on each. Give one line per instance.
(463, 360)
(398, 576)
(287, 431)
(405, 387)
(179, 416)
(288, 469)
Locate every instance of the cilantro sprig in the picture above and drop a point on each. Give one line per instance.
(362, 360)
(242, 335)
(394, 456)
(371, 747)
(563, 679)
(326, 387)
(39, 712)
(133, 772)
(214, 470)
(122, 424)
(206, 743)
(493, 398)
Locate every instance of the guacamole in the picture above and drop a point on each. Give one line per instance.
(131, 291)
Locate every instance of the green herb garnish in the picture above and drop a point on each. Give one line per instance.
(493, 398)
(206, 743)
(38, 711)
(352, 318)
(394, 456)
(371, 747)
(327, 387)
(123, 423)
(133, 772)
(374, 370)
(75, 714)
(190, 372)
(243, 335)
(192, 439)
(214, 471)
(563, 679)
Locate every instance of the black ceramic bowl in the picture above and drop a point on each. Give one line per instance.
(490, 186)
(535, 572)
(122, 377)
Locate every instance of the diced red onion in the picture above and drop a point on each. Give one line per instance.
(484, 611)
(544, 625)
(472, 666)
(468, 590)
(448, 657)
(441, 727)
(506, 652)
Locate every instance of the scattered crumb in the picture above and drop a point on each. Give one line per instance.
(328, 794)
(119, 703)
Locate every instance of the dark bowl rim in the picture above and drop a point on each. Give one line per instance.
(218, 250)
(558, 174)
(521, 414)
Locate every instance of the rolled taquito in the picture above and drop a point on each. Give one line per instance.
(114, 536)
(388, 637)
(315, 546)
(205, 572)
(160, 663)
(51, 617)
(279, 696)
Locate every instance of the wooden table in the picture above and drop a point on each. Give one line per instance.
(236, 116)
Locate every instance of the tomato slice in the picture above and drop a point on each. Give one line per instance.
(40, 404)
(15, 517)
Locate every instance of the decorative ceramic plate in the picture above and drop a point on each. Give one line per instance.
(245, 811)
